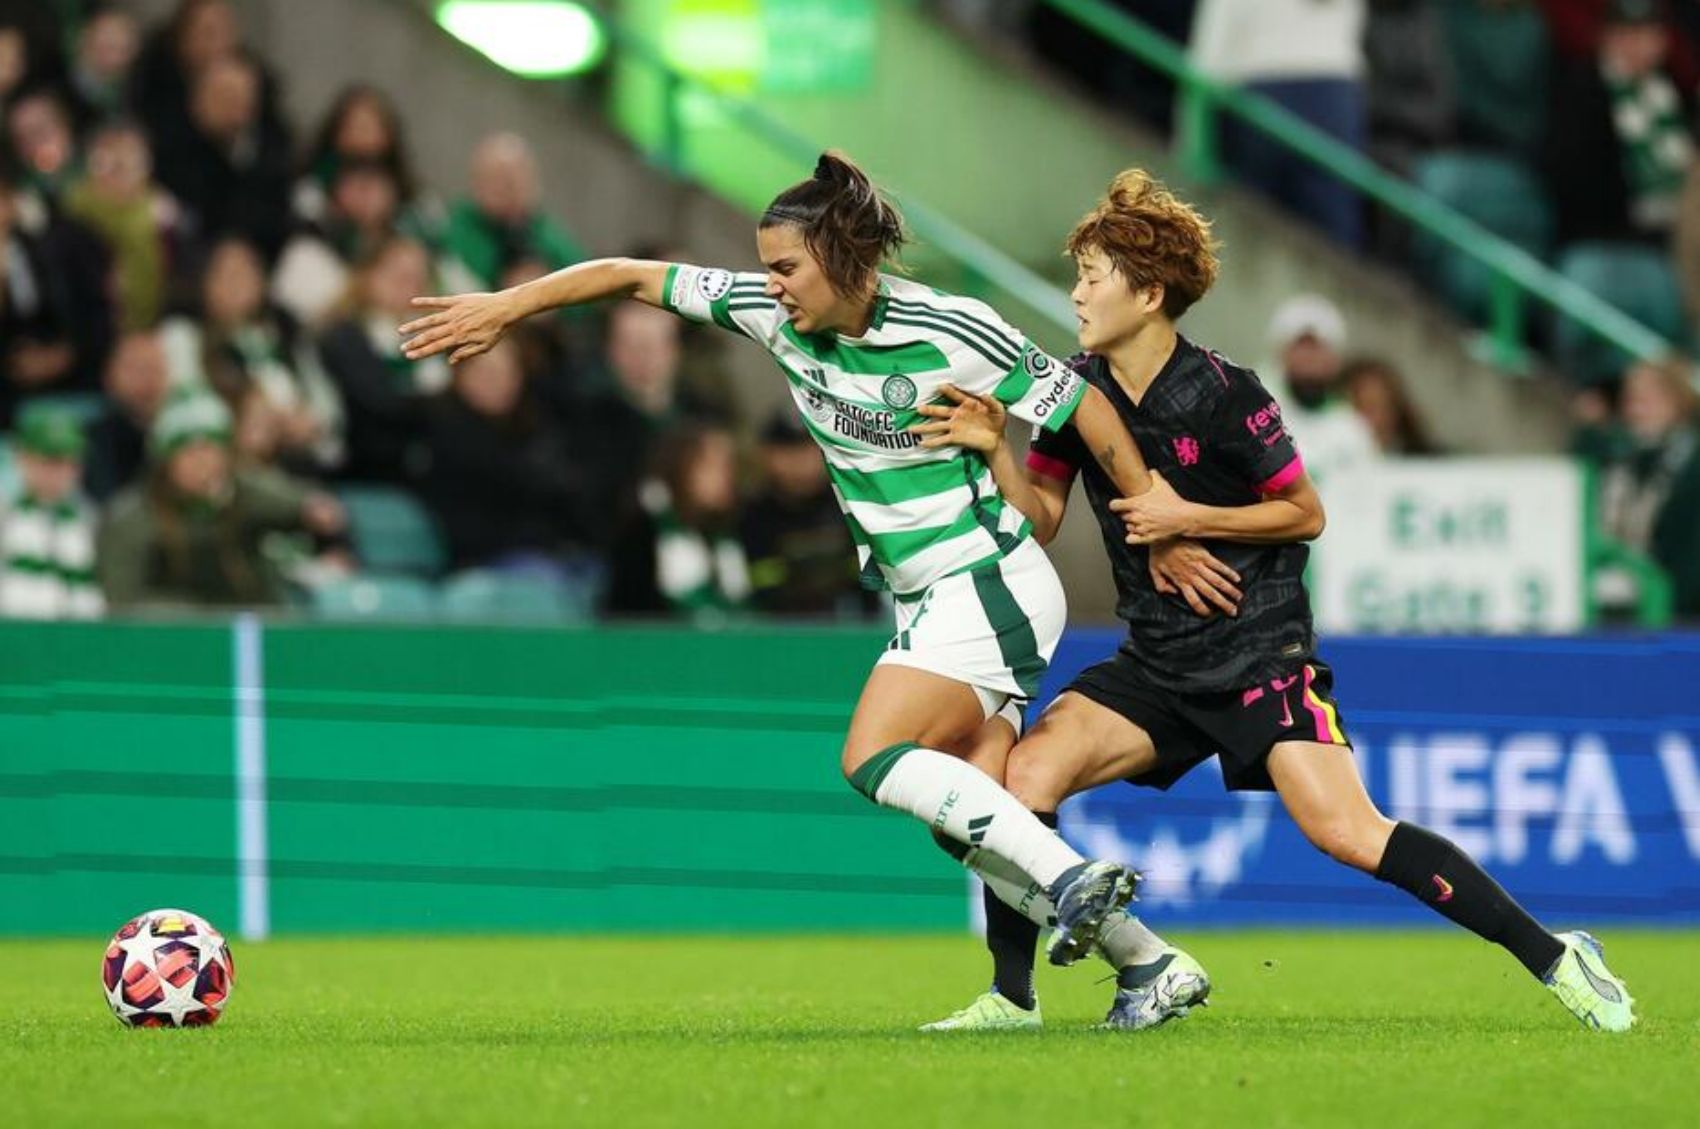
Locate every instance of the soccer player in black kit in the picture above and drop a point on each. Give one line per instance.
(1183, 687)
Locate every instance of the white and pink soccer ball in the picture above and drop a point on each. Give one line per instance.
(167, 968)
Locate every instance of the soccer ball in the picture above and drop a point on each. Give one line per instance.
(167, 968)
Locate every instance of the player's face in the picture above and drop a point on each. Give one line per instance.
(1109, 310)
(796, 281)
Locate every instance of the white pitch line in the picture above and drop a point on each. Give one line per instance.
(252, 874)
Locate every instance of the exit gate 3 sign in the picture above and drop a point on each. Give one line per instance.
(1463, 545)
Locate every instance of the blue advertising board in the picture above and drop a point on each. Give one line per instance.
(1569, 767)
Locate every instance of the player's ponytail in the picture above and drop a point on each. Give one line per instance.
(847, 224)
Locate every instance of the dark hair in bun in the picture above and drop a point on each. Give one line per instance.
(847, 224)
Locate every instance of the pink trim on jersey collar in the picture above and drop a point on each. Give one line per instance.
(1215, 364)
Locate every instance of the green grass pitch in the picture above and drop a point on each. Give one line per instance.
(1306, 1029)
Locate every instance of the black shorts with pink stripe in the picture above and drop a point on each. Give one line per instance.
(1239, 726)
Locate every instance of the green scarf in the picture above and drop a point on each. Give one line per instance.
(1655, 146)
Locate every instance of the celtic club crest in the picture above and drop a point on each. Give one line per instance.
(898, 391)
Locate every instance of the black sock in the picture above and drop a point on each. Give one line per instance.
(1449, 882)
(1011, 938)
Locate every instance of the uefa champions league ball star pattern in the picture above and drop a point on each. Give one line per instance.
(167, 968)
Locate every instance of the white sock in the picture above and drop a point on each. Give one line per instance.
(1011, 886)
(958, 800)
(1125, 940)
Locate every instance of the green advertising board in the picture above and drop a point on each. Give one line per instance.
(308, 778)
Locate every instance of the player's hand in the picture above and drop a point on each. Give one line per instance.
(1187, 569)
(969, 421)
(1156, 515)
(469, 324)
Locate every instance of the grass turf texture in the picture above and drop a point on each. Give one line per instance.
(1306, 1029)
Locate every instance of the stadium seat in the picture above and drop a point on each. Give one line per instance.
(392, 531)
(1500, 55)
(373, 597)
(1499, 193)
(487, 596)
(1638, 280)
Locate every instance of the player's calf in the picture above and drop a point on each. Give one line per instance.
(1448, 881)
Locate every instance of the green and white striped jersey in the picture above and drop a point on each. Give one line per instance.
(47, 559)
(916, 515)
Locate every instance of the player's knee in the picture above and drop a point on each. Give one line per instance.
(1036, 776)
(851, 758)
(863, 759)
(986, 748)
(1346, 841)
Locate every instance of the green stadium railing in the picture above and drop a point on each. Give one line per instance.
(1655, 602)
(1518, 276)
(1655, 595)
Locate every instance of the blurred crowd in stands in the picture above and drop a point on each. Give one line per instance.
(203, 402)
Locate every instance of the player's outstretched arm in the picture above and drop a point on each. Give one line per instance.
(976, 423)
(465, 325)
(1292, 513)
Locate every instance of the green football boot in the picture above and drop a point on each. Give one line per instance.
(1584, 984)
(991, 1012)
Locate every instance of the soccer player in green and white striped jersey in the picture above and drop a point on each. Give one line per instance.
(980, 608)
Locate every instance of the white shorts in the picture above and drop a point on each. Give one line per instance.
(994, 628)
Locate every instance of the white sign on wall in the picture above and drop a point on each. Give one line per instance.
(1455, 545)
